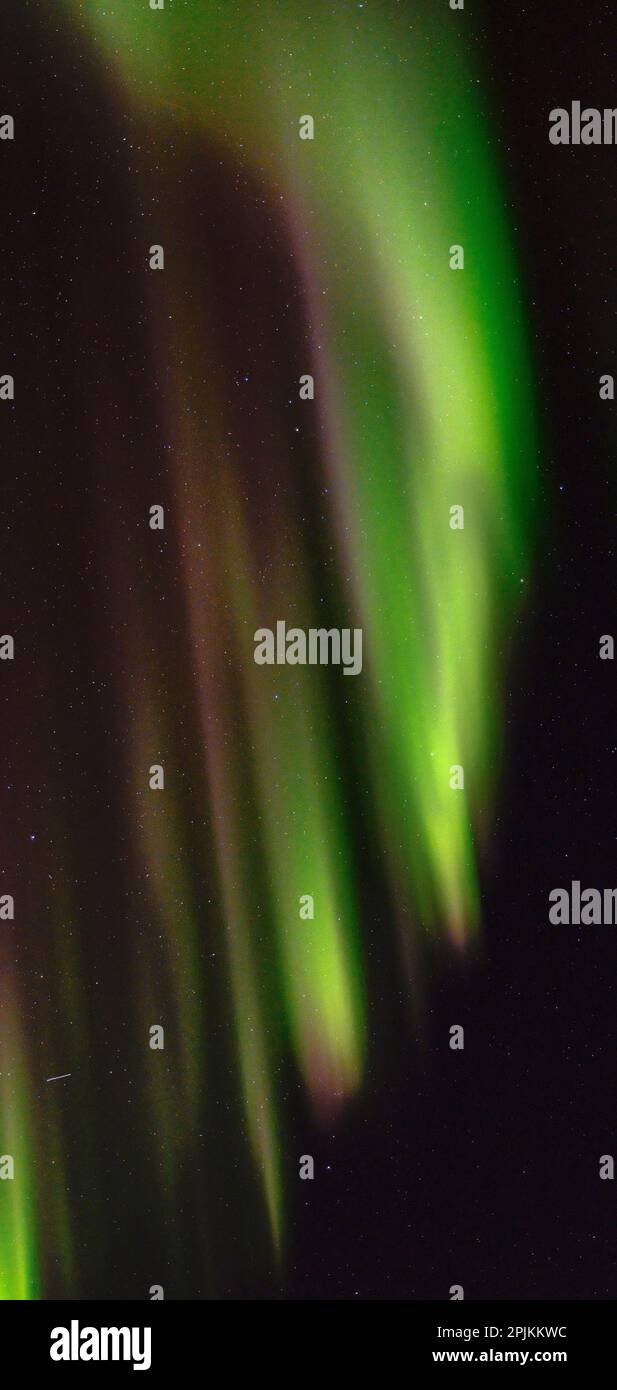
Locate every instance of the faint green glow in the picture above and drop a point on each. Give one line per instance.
(307, 853)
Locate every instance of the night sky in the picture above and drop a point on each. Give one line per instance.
(284, 1037)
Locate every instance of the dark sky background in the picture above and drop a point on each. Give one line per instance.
(482, 1169)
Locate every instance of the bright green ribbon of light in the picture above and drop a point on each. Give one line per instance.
(423, 391)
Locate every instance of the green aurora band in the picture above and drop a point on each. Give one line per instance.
(425, 381)
(423, 389)
(18, 1225)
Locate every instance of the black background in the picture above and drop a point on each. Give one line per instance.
(480, 1170)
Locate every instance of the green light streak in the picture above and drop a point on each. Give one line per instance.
(424, 391)
(19, 1261)
(428, 373)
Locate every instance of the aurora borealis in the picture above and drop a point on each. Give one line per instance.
(422, 399)
(134, 647)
